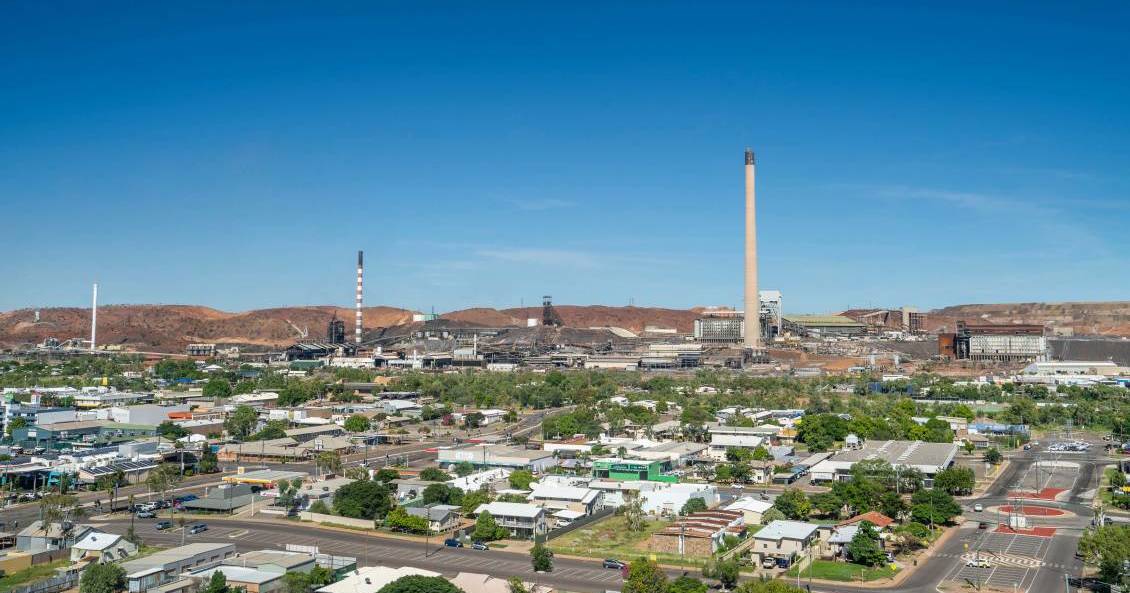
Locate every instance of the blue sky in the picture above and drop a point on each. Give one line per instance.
(237, 155)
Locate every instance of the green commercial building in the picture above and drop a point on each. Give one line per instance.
(633, 469)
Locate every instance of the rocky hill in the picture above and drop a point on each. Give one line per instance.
(168, 328)
(1099, 318)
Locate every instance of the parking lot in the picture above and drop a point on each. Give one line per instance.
(1014, 561)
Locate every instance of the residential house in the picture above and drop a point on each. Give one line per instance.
(581, 500)
(787, 539)
(102, 548)
(752, 508)
(441, 517)
(522, 520)
(165, 567)
(55, 536)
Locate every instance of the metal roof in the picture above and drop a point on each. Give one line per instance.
(125, 467)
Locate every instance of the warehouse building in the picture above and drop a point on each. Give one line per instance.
(928, 458)
(615, 468)
(822, 326)
(488, 456)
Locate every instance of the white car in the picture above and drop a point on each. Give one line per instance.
(977, 508)
(978, 563)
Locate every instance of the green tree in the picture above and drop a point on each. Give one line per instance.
(685, 584)
(487, 529)
(693, 505)
(772, 515)
(398, 518)
(955, 480)
(1117, 478)
(993, 456)
(515, 585)
(217, 387)
(273, 429)
(386, 474)
(102, 578)
(434, 474)
(864, 547)
(826, 504)
(472, 500)
(1108, 548)
(356, 423)
(541, 557)
(363, 500)
(520, 479)
(328, 462)
(420, 584)
(933, 507)
(208, 463)
(464, 468)
(761, 454)
(724, 571)
(793, 504)
(633, 512)
(440, 493)
(217, 584)
(241, 422)
(645, 576)
(172, 431)
(320, 507)
(15, 424)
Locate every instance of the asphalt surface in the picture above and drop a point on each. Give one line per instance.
(567, 574)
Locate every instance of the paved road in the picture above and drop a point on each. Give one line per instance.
(568, 574)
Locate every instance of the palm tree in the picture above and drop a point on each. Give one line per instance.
(329, 461)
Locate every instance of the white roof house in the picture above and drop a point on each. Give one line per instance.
(511, 509)
(370, 579)
(779, 530)
(106, 547)
(751, 504)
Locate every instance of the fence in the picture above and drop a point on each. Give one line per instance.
(335, 520)
(578, 523)
(50, 585)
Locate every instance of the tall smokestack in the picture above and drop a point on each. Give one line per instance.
(752, 302)
(360, 274)
(94, 319)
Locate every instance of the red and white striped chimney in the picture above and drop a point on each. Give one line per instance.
(360, 274)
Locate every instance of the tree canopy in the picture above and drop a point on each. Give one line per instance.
(363, 500)
(420, 584)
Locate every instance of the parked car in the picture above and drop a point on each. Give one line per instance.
(978, 507)
(480, 546)
(983, 525)
(769, 562)
(978, 563)
(451, 542)
(783, 563)
(612, 563)
(163, 525)
(198, 528)
(146, 515)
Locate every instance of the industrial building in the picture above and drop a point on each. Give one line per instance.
(615, 468)
(906, 320)
(486, 455)
(822, 326)
(995, 342)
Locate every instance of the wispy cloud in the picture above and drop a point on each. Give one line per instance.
(539, 204)
(542, 257)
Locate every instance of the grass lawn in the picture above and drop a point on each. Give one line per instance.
(30, 574)
(610, 538)
(842, 571)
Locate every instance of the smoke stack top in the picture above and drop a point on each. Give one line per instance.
(750, 159)
(360, 258)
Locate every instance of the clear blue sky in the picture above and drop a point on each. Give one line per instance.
(237, 155)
